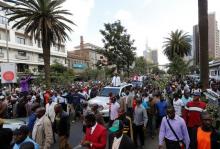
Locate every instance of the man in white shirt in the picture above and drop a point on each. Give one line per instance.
(177, 104)
(116, 81)
(50, 110)
(114, 109)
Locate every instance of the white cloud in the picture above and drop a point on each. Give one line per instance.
(81, 10)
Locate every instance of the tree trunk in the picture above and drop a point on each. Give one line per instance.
(46, 53)
(45, 34)
(203, 37)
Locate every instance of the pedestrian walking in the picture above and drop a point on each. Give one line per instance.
(192, 116)
(42, 132)
(140, 122)
(177, 104)
(117, 139)
(21, 137)
(207, 136)
(114, 109)
(61, 126)
(161, 108)
(96, 134)
(50, 109)
(6, 136)
(173, 131)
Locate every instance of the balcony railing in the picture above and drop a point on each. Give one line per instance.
(22, 57)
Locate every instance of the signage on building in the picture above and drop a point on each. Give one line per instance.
(8, 73)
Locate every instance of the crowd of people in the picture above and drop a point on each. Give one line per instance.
(175, 112)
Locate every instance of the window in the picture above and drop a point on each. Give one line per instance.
(22, 67)
(3, 20)
(20, 40)
(1, 50)
(21, 53)
(40, 68)
(40, 56)
(39, 44)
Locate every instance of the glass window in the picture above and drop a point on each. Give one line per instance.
(20, 40)
(3, 20)
(105, 91)
(21, 53)
(22, 67)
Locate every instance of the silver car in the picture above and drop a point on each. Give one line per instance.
(103, 98)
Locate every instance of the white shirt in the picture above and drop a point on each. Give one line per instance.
(177, 104)
(116, 81)
(93, 128)
(50, 111)
(116, 142)
(114, 110)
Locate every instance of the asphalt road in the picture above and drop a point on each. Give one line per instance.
(76, 136)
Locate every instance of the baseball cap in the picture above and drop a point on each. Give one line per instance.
(116, 126)
(197, 94)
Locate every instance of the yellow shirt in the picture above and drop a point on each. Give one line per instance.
(203, 139)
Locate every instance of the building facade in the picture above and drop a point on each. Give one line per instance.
(17, 48)
(213, 39)
(154, 55)
(85, 56)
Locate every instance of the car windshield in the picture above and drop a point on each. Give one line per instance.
(105, 91)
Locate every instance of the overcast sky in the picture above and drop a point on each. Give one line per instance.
(146, 20)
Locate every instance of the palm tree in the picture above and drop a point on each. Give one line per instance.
(177, 44)
(203, 38)
(43, 20)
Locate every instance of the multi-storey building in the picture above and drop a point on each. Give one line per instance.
(17, 48)
(154, 55)
(213, 39)
(85, 56)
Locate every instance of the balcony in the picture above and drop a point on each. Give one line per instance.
(40, 60)
(22, 57)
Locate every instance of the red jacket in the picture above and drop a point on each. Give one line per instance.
(192, 113)
(97, 138)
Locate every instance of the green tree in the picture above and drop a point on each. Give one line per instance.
(118, 46)
(177, 66)
(203, 38)
(140, 65)
(43, 20)
(178, 43)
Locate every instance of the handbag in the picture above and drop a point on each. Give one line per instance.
(181, 143)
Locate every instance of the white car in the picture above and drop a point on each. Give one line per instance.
(103, 98)
(14, 123)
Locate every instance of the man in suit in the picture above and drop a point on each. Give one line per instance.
(118, 140)
(96, 134)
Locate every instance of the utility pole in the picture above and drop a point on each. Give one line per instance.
(6, 27)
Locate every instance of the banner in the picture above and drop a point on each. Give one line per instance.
(8, 73)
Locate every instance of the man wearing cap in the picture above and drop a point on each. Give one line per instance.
(118, 140)
(21, 136)
(191, 115)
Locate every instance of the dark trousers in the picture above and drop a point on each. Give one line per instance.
(172, 144)
(159, 120)
(138, 131)
(193, 137)
(151, 124)
(130, 112)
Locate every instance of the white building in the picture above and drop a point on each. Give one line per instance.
(23, 50)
